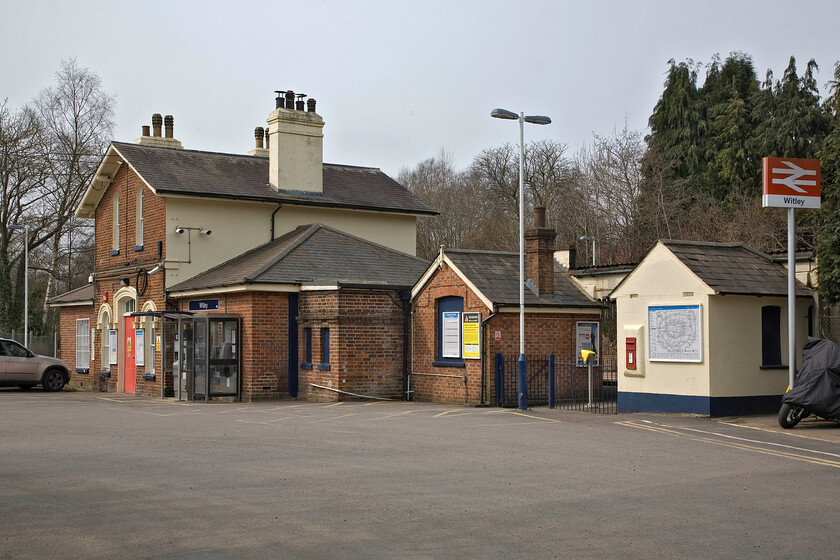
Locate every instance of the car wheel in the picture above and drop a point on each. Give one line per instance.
(53, 380)
(25, 387)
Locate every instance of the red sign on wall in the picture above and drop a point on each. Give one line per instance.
(790, 183)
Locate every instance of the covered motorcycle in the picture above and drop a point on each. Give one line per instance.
(816, 389)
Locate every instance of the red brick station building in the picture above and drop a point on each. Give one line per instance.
(273, 275)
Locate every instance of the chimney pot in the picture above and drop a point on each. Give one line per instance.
(258, 136)
(146, 130)
(278, 101)
(169, 125)
(299, 105)
(539, 216)
(290, 99)
(310, 105)
(157, 122)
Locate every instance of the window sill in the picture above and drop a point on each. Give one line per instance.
(149, 376)
(104, 373)
(115, 253)
(773, 367)
(453, 363)
(138, 248)
(306, 365)
(324, 367)
(83, 371)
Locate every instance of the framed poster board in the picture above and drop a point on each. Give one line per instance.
(471, 335)
(675, 333)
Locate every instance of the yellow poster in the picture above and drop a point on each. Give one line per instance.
(471, 335)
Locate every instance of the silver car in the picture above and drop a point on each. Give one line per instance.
(19, 366)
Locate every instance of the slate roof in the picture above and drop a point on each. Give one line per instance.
(82, 295)
(241, 177)
(310, 254)
(496, 275)
(732, 268)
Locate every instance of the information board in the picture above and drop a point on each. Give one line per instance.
(471, 335)
(451, 335)
(674, 333)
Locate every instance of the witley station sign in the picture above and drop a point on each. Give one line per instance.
(790, 183)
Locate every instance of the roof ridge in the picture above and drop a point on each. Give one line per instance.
(479, 251)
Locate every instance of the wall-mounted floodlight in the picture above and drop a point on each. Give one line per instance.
(179, 229)
(205, 231)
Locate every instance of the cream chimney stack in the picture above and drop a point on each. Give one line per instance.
(295, 146)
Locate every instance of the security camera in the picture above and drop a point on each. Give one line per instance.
(179, 229)
(205, 231)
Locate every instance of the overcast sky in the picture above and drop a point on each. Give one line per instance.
(397, 81)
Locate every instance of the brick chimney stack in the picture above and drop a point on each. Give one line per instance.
(539, 254)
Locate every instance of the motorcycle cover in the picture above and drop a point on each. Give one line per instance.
(817, 386)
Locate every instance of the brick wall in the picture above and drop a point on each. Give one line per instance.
(110, 269)
(366, 343)
(263, 341)
(67, 344)
(545, 333)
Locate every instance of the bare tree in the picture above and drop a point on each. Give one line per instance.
(22, 175)
(612, 167)
(77, 116)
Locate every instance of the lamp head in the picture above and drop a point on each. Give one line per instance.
(504, 114)
(537, 119)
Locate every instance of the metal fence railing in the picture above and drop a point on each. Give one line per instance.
(575, 386)
(46, 345)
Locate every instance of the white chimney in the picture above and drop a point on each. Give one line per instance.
(296, 147)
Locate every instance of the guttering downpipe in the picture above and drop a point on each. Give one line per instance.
(279, 206)
(484, 349)
(406, 298)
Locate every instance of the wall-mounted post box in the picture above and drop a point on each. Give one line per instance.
(630, 344)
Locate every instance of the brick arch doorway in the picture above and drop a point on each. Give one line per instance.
(125, 303)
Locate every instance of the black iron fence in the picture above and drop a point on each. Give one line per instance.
(561, 383)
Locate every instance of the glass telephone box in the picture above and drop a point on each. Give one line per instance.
(207, 357)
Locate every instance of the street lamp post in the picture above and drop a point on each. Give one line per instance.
(522, 383)
(25, 230)
(592, 239)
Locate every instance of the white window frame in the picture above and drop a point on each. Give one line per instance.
(83, 344)
(139, 231)
(115, 234)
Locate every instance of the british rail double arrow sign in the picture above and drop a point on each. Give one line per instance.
(790, 183)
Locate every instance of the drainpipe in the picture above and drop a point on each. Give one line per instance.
(279, 206)
(405, 297)
(484, 349)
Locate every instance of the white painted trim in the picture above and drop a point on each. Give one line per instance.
(287, 288)
(73, 303)
(436, 265)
